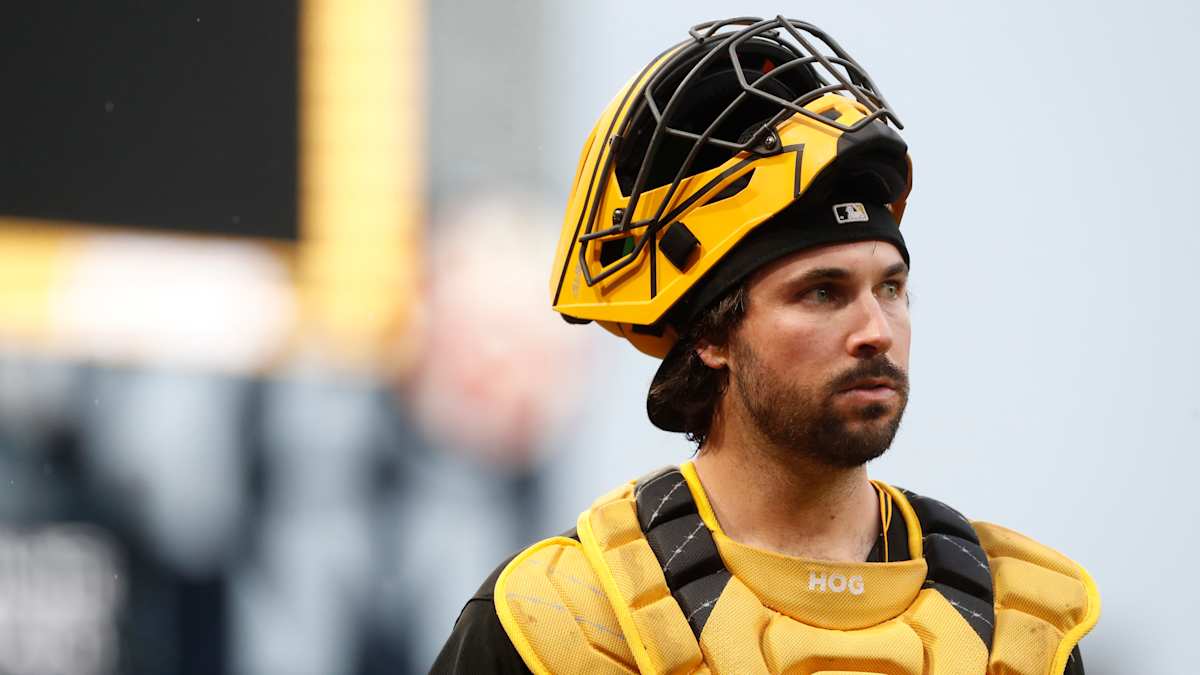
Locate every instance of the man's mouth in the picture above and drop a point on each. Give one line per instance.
(872, 383)
(871, 390)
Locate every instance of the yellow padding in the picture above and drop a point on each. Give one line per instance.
(742, 636)
(615, 524)
(891, 647)
(931, 638)
(556, 615)
(631, 565)
(659, 636)
(623, 491)
(952, 647)
(837, 595)
(1041, 594)
(595, 556)
(601, 605)
(732, 635)
(1057, 599)
(1001, 542)
(672, 646)
(1023, 644)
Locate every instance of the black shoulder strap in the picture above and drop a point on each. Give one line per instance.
(958, 566)
(684, 547)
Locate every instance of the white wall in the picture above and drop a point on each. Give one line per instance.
(1056, 381)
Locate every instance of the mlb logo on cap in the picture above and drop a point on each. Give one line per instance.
(850, 212)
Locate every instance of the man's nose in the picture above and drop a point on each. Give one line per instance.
(872, 333)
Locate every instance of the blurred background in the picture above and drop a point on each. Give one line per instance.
(279, 382)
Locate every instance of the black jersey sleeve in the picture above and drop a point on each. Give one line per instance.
(478, 643)
(1074, 663)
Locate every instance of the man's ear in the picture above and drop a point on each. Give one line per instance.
(713, 356)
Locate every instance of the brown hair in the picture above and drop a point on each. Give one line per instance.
(684, 383)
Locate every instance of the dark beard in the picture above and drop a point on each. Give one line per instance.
(805, 421)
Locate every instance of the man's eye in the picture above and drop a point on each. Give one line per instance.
(890, 290)
(821, 295)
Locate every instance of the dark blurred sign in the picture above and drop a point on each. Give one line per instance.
(177, 116)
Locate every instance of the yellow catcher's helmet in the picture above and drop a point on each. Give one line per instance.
(714, 137)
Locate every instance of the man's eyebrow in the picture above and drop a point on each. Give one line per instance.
(839, 273)
(821, 274)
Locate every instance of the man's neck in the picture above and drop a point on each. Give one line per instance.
(785, 502)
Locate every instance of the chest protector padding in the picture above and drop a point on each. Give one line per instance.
(691, 564)
(958, 567)
(655, 586)
(556, 615)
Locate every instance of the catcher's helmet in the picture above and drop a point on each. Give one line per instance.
(714, 137)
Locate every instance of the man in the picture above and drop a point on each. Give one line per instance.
(736, 212)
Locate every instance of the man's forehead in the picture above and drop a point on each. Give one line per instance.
(862, 257)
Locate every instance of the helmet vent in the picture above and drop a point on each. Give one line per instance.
(733, 188)
(612, 250)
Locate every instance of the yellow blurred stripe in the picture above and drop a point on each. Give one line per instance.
(32, 255)
(361, 180)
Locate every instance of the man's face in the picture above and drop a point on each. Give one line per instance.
(819, 364)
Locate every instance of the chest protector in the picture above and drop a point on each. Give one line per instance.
(653, 585)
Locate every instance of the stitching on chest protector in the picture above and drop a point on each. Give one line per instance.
(684, 547)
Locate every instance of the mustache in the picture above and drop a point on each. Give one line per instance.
(876, 366)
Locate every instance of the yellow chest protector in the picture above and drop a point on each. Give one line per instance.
(653, 585)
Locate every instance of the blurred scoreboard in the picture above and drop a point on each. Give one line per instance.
(280, 140)
(172, 116)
